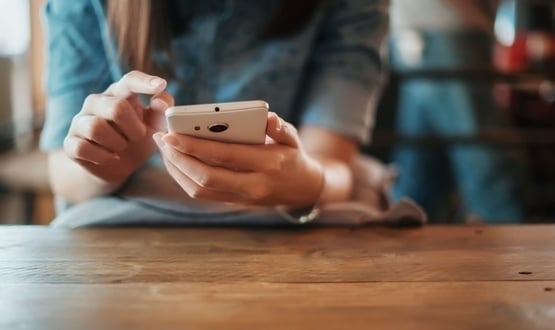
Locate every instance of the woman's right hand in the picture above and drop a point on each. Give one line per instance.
(112, 134)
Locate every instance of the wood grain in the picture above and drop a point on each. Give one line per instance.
(42, 255)
(444, 305)
(326, 278)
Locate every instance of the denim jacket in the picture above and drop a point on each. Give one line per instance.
(325, 75)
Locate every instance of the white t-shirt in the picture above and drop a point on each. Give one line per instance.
(442, 15)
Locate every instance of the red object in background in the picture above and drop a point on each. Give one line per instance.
(525, 31)
(531, 100)
(528, 50)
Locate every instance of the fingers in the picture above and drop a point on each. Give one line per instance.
(267, 158)
(281, 131)
(111, 128)
(212, 182)
(104, 128)
(137, 82)
(99, 131)
(155, 118)
(118, 112)
(240, 157)
(196, 191)
(162, 101)
(84, 150)
(120, 115)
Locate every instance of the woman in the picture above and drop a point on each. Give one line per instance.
(115, 66)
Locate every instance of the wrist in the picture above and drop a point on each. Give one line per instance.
(307, 214)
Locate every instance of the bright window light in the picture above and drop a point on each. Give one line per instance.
(14, 27)
(505, 23)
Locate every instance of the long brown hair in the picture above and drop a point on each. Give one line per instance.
(142, 27)
(139, 28)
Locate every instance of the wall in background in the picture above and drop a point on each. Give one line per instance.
(37, 60)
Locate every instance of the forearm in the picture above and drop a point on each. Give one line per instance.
(338, 180)
(335, 154)
(72, 182)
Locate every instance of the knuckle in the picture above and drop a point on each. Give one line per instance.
(112, 86)
(90, 101)
(259, 193)
(276, 164)
(129, 75)
(78, 148)
(74, 123)
(119, 110)
(97, 127)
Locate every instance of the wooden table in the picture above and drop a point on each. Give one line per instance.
(325, 278)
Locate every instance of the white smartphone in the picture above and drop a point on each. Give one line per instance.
(234, 122)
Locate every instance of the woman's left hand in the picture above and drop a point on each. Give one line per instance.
(278, 172)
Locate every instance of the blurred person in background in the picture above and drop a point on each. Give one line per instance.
(450, 35)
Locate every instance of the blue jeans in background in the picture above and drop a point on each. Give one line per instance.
(485, 176)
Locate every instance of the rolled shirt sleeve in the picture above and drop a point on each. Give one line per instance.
(345, 69)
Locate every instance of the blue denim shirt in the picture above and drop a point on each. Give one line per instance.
(325, 75)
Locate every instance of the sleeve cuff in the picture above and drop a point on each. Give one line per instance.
(343, 106)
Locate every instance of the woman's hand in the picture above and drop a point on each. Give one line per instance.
(111, 135)
(276, 173)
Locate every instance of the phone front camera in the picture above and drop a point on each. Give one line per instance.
(218, 127)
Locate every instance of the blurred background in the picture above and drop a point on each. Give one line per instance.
(467, 114)
(24, 191)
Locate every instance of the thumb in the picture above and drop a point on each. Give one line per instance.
(155, 116)
(281, 131)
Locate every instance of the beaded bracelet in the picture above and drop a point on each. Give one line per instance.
(312, 215)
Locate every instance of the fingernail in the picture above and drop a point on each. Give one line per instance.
(278, 124)
(157, 137)
(281, 125)
(156, 82)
